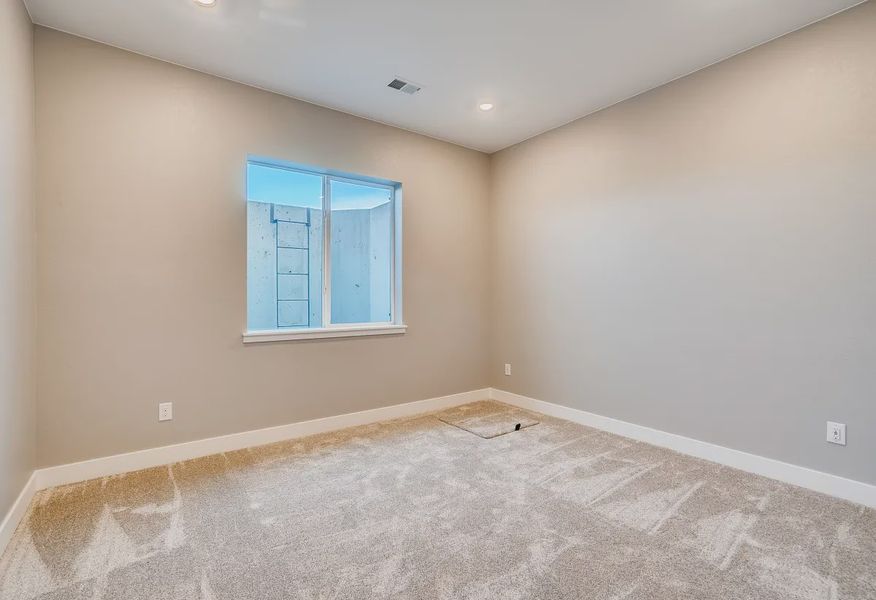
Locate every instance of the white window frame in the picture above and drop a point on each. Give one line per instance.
(342, 330)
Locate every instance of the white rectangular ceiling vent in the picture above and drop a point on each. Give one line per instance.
(404, 86)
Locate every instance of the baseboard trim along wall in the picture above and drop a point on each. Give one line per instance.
(154, 457)
(832, 485)
(17, 512)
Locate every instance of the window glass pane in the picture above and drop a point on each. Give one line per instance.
(284, 248)
(275, 185)
(361, 253)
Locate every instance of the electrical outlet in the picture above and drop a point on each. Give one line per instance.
(836, 433)
(507, 368)
(165, 411)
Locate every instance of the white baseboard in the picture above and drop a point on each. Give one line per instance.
(832, 485)
(154, 457)
(16, 512)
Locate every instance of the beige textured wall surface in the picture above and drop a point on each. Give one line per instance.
(702, 259)
(142, 257)
(17, 265)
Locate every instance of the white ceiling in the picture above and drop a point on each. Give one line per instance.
(542, 62)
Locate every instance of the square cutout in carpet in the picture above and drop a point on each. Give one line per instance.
(487, 419)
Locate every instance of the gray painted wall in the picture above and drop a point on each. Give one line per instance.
(361, 267)
(261, 265)
(142, 257)
(700, 259)
(380, 259)
(262, 276)
(17, 266)
(351, 279)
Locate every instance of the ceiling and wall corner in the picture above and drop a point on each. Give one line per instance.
(539, 67)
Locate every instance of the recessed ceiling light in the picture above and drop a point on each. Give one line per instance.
(205, 2)
(485, 106)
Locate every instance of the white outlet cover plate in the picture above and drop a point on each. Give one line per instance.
(836, 433)
(165, 411)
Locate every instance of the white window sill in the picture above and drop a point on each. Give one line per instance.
(291, 335)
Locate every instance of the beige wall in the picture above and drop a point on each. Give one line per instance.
(17, 266)
(700, 259)
(142, 257)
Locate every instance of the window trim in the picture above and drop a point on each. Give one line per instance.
(314, 333)
(327, 328)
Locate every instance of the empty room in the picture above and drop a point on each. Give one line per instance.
(513, 300)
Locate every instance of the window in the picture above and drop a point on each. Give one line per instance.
(323, 254)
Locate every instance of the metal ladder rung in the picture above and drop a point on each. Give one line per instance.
(277, 264)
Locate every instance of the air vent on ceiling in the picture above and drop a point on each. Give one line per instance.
(404, 86)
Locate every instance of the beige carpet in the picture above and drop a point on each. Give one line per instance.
(421, 509)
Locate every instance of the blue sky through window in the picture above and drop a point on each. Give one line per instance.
(347, 196)
(275, 185)
(281, 186)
